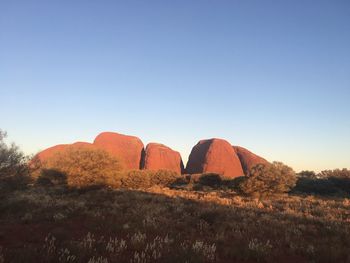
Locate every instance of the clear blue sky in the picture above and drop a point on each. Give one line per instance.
(272, 76)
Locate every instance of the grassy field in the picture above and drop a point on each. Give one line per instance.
(158, 224)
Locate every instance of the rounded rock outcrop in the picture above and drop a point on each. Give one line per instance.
(248, 159)
(127, 148)
(48, 153)
(161, 157)
(214, 156)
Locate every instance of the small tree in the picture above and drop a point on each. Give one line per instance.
(265, 179)
(307, 174)
(339, 178)
(328, 182)
(82, 166)
(13, 165)
(337, 173)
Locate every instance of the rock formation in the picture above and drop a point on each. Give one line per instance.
(248, 159)
(127, 148)
(50, 152)
(215, 156)
(159, 156)
(208, 156)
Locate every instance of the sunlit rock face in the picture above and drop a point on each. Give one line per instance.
(159, 156)
(127, 148)
(214, 156)
(248, 159)
(50, 152)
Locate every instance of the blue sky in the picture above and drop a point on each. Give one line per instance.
(272, 76)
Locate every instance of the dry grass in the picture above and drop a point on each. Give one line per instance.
(159, 224)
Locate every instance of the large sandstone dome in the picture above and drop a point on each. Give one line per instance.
(214, 156)
(159, 156)
(127, 148)
(50, 152)
(248, 159)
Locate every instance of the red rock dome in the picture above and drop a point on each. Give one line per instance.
(127, 148)
(248, 159)
(50, 152)
(215, 156)
(159, 156)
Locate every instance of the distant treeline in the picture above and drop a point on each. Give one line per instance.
(328, 182)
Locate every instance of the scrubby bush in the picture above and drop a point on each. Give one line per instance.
(81, 166)
(337, 173)
(164, 177)
(145, 178)
(52, 177)
(328, 182)
(342, 183)
(14, 172)
(208, 179)
(204, 182)
(266, 179)
(307, 174)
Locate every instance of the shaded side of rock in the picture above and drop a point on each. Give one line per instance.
(248, 159)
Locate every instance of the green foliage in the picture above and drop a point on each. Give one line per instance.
(266, 179)
(81, 166)
(14, 172)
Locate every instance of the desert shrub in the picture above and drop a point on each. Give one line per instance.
(14, 172)
(340, 178)
(209, 179)
(203, 182)
(265, 179)
(146, 178)
(328, 182)
(342, 184)
(308, 185)
(307, 174)
(337, 173)
(82, 167)
(52, 177)
(164, 177)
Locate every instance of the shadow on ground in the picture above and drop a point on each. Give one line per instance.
(162, 225)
